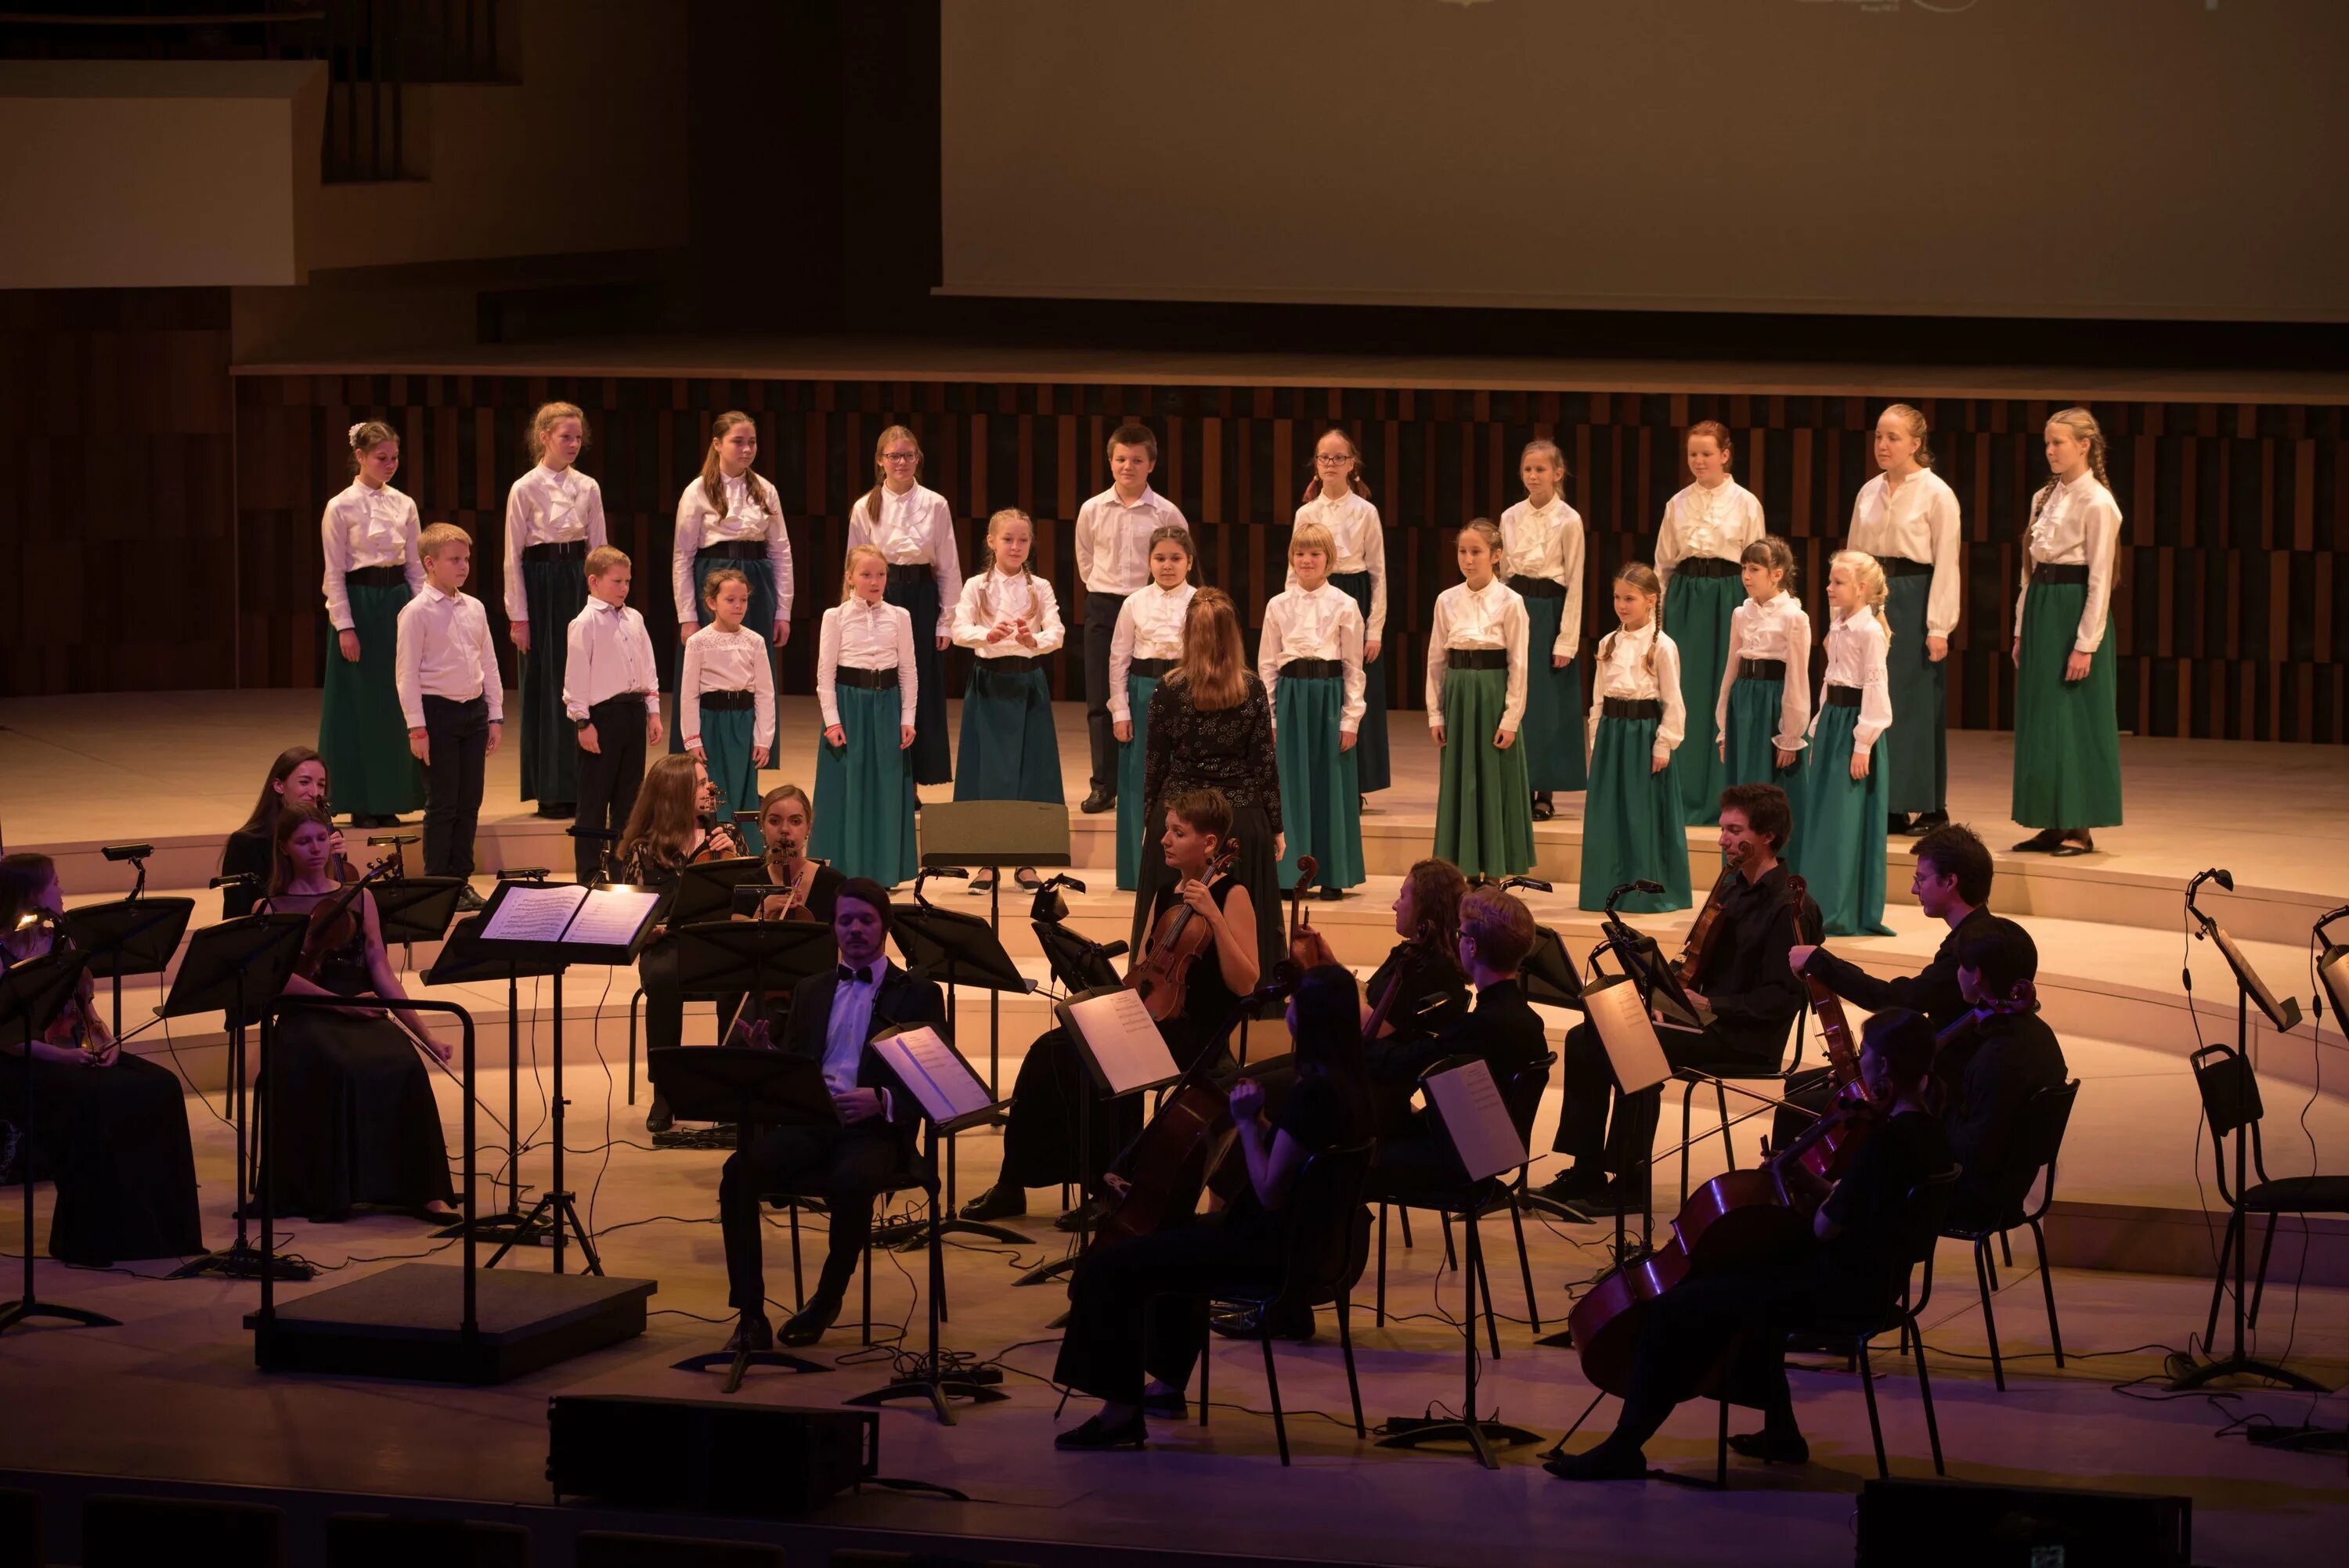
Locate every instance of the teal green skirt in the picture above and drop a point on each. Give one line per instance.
(2067, 736)
(1133, 833)
(362, 734)
(1009, 749)
(1915, 752)
(1484, 808)
(1371, 762)
(1751, 739)
(1839, 827)
(1631, 823)
(556, 591)
(865, 792)
(1321, 798)
(759, 618)
(1696, 616)
(1553, 734)
(725, 742)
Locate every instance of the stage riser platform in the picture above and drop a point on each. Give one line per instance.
(403, 1322)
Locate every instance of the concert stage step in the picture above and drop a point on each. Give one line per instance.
(403, 1323)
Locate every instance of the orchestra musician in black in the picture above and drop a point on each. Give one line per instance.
(2004, 1057)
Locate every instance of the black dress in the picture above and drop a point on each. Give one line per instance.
(114, 1139)
(1231, 750)
(355, 1118)
(247, 850)
(653, 867)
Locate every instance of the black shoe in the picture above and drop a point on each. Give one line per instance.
(1927, 822)
(1026, 877)
(2044, 841)
(469, 900)
(1097, 802)
(1899, 823)
(753, 1332)
(981, 881)
(659, 1119)
(1242, 1325)
(1085, 1216)
(2078, 843)
(1543, 808)
(807, 1326)
(1333, 894)
(1577, 1185)
(557, 812)
(1168, 1407)
(1001, 1201)
(1771, 1447)
(1605, 1463)
(1096, 1435)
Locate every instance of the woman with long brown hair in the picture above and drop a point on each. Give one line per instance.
(664, 834)
(913, 528)
(298, 778)
(730, 516)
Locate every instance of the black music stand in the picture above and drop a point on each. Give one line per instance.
(706, 892)
(747, 958)
(1547, 976)
(464, 960)
(236, 968)
(995, 834)
(410, 910)
(132, 936)
(32, 994)
(749, 1088)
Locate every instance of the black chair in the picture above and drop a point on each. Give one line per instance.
(2230, 1103)
(793, 1204)
(1736, 1071)
(2038, 1138)
(1328, 1245)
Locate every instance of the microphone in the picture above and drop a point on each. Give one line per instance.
(235, 879)
(1647, 887)
(1532, 884)
(127, 851)
(522, 874)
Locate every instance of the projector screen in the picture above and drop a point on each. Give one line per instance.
(2166, 159)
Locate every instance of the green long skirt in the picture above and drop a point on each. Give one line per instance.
(726, 743)
(1631, 826)
(1320, 799)
(927, 757)
(759, 618)
(1553, 730)
(1839, 826)
(2067, 736)
(556, 591)
(1484, 808)
(1751, 741)
(1696, 616)
(1371, 764)
(1009, 749)
(1132, 832)
(865, 792)
(361, 732)
(1915, 752)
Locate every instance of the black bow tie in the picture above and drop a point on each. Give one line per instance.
(861, 977)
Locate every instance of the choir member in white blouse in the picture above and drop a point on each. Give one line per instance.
(868, 686)
(1765, 707)
(1699, 547)
(1007, 616)
(1838, 847)
(1633, 829)
(913, 528)
(730, 516)
(1906, 518)
(1113, 539)
(367, 536)
(555, 517)
(1311, 661)
(1339, 497)
(726, 701)
(1476, 652)
(1145, 645)
(1541, 551)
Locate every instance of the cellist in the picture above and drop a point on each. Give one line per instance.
(1040, 1142)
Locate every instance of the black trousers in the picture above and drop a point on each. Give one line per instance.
(1101, 626)
(610, 778)
(458, 735)
(846, 1166)
(1135, 1309)
(664, 1003)
(1587, 1083)
(1723, 1333)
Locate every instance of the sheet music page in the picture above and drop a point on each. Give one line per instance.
(1633, 1052)
(1476, 1117)
(529, 914)
(611, 917)
(1124, 1039)
(935, 1076)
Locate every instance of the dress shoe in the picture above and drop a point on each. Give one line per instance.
(753, 1332)
(981, 881)
(807, 1325)
(1096, 1435)
(1169, 1406)
(1543, 810)
(2080, 841)
(1771, 1447)
(468, 901)
(1898, 823)
(1097, 802)
(1926, 821)
(659, 1118)
(1001, 1201)
(1333, 894)
(1026, 877)
(1607, 1461)
(1296, 1325)
(2041, 842)
(557, 812)
(1086, 1216)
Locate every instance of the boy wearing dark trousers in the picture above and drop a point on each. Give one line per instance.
(1113, 538)
(611, 693)
(453, 699)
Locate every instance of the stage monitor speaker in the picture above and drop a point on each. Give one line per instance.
(21, 1545)
(709, 1455)
(1965, 1524)
(389, 1540)
(619, 1549)
(140, 1531)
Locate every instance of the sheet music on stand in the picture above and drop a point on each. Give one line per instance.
(1123, 1046)
(1467, 1101)
(565, 914)
(934, 1073)
(1626, 1033)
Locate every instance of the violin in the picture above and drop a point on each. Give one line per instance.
(1707, 928)
(719, 841)
(791, 903)
(1307, 946)
(1161, 971)
(335, 922)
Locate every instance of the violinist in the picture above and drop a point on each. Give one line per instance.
(2005, 1057)
(1854, 1263)
(786, 818)
(668, 831)
(355, 1121)
(1040, 1142)
(1742, 979)
(298, 778)
(1427, 959)
(108, 1128)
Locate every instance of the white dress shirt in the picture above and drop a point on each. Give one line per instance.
(699, 524)
(1624, 672)
(2080, 525)
(1774, 628)
(866, 636)
(917, 528)
(548, 506)
(990, 597)
(1149, 626)
(1113, 539)
(1466, 618)
(1325, 624)
(849, 1028)
(364, 527)
(607, 653)
(717, 660)
(1856, 649)
(1353, 523)
(1719, 522)
(445, 651)
(1919, 524)
(1548, 544)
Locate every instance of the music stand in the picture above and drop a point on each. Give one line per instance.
(750, 1088)
(746, 958)
(410, 910)
(131, 936)
(235, 968)
(1643, 961)
(1547, 976)
(462, 961)
(32, 994)
(706, 892)
(995, 834)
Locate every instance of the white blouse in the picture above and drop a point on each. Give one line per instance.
(1149, 626)
(1325, 624)
(548, 506)
(1113, 540)
(1774, 629)
(2080, 525)
(727, 661)
(1353, 523)
(917, 528)
(1919, 524)
(1548, 544)
(990, 597)
(746, 516)
(1624, 672)
(865, 637)
(1855, 650)
(1466, 618)
(1719, 522)
(364, 527)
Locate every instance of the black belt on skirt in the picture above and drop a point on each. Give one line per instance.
(737, 549)
(1476, 658)
(1843, 696)
(728, 701)
(870, 680)
(1901, 566)
(561, 550)
(1151, 668)
(1632, 707)
(1707, 566)
(1762, 669)
(911, 573)
(1009, 664)
(1537, 588)
(377, 577)
(2052, 571)
(1311, 669)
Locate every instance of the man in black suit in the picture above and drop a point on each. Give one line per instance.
(834, 1017)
